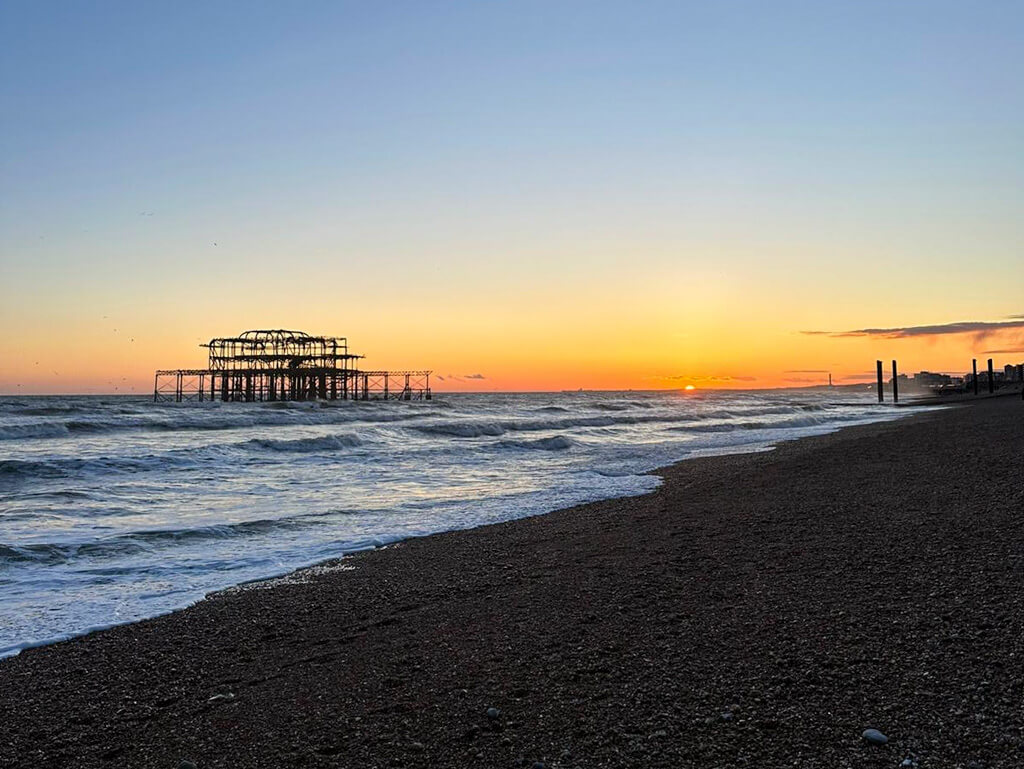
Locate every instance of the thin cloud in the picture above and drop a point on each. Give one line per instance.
(709, 378)
(806, 371)
(981, 328)
(1003, 352)
(474, 376)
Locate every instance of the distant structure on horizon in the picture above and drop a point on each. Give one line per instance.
(282, 365)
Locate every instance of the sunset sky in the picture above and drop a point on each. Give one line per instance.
(517, 195)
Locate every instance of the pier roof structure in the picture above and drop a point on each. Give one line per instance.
(280, 364)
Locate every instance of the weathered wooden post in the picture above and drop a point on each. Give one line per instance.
(881, 391)
(156, 388)
(974, 366)
(895, 386)
(991, 378)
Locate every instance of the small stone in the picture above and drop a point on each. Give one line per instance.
(186, 764)
(419, 747)
(222, 697)
(727, 716)
(875, 737)
(538, 765)
(493, 713)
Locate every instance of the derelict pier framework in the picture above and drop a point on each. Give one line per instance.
(282, 365)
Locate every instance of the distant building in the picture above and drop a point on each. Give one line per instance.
(932, 379)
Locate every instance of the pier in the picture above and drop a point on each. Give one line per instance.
(282, 365)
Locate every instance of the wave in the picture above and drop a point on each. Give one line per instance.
(463, 429)
(303, 445)
(778, 424)
(33, 430)
(61, 467)
(49, 553)
(555, 443)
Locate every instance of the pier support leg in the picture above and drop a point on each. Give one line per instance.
(974, 367)
(991, 378)
(895, 385)
(881, 387)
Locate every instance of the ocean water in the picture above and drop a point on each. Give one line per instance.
(114, 509)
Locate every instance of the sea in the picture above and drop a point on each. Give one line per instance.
(114, 509)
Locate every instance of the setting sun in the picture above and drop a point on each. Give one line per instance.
(689, 387)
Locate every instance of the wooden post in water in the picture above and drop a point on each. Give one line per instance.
(991, 379)
(895, 387)
(881, 392)
(974, 365)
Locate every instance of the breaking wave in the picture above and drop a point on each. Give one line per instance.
(145, 541)
(555, 443)
(303, 445)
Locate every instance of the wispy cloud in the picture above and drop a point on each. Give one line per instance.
(981, 328)
(708, 377)
(805, 371)
(1013, 351)
(475, 376)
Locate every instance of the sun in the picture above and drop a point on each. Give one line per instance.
(689, 387)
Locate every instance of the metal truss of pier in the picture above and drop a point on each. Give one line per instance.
(281, 365)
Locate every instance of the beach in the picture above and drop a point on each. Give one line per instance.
(758, 609)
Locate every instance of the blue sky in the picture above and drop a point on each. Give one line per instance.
(497, 155)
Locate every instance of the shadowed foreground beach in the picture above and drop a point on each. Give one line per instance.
(756, 610)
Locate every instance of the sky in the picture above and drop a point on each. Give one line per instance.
(516, 195)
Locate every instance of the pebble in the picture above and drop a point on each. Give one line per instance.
(875, 737)
(493, 712)
(186, 764)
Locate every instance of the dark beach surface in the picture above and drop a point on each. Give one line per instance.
(757, 610)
